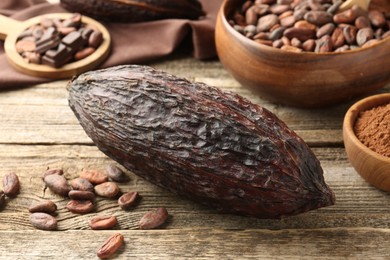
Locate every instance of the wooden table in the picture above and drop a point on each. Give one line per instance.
(38, 130)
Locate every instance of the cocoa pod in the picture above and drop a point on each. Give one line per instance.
(110, 246)
(135, 10)
(212, 146)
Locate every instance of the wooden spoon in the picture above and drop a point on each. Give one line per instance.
(349, 3)
(11, 29)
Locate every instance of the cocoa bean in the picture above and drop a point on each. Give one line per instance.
(279, 9)
(377, 18)
(110, 246)
(299, 14)
(316, 5)
(385, 35)
(116, 174)
(265, 42)
(81, 195)
(326, 29)
(266, 22)
(299, 33)
(43, 221)
(362, 22)
(57, 184)
(95, 39)
(251, 16)
(370, 43)
(107, 189)
(342, 48)
(290, 48)
(153, 218)
(83, 53)
(81, 184)
(287, 21)
(53, 171)
(338, 38)
(296, 43)
(347, 16)
(277, 43)
(309, 45)
(80, 206)
(324, 44)
(364, 35)
(246, 6)
(128, 200)
(334, 7)
(276, 34)
(45, 206)
(305, 25)
(102, 222)
(93, 176)
(349, 33)
(262, 36)
(318, 18)
(286, 14)
(11, 184)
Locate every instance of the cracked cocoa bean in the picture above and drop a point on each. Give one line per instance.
(128, 200)
(11, 184)
(209, 145)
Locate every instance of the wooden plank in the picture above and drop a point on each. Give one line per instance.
(202, 243)
(357, 203)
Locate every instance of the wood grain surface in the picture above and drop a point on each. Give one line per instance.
(39, 131)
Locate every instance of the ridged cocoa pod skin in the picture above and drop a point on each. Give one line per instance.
(135, 10)
(211, 146)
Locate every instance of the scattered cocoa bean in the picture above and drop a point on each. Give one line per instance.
(11, 184)
(94, 176)
(81, 195)
(110, 246)
(80, 206)
(128, 200)
(57, 184)
(81, 184)
(318, 18)
(116, 174)
(53, 171)
(45, 206)
(107, 189)
(102, 222)
(43, 221)
(153, 219)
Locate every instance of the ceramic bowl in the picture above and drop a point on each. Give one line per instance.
(372, 167)
(300, 79)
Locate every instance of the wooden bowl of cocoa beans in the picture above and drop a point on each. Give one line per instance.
(366, 133)
(273, 49)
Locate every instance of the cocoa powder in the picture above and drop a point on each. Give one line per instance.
(372, 128)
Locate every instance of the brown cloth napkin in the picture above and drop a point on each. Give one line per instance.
(131, 43)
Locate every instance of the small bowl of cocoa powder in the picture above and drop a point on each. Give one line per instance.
(366, 133)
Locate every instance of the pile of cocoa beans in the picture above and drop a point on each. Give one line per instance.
(310, 25)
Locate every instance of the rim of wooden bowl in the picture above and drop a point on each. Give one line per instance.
(256, 45)
(350, 119)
